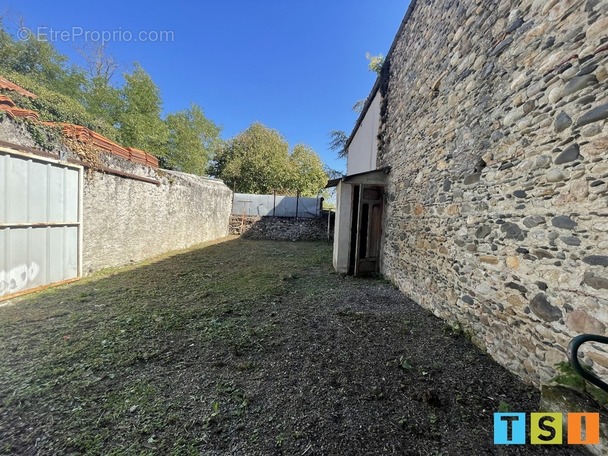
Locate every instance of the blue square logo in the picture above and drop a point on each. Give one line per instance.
(509, 429)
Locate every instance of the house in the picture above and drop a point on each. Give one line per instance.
(477, 177)
(361, 195)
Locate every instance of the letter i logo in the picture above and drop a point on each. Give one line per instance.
(509, 429)
(583, 428)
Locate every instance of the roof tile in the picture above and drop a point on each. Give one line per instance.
(72, 131)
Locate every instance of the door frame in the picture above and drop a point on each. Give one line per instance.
(360, 184)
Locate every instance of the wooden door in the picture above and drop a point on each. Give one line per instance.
(369, 229)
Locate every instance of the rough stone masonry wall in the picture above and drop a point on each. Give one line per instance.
(279, 228)
(495, 126)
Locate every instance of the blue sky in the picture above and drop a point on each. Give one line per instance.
(295, 66)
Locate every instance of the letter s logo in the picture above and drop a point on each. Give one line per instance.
(543, 426)
(546, 429)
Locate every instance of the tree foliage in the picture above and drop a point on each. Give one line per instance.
(337, 142)
(258, 161)
(359, 105)
(41, 62)
(255, 161)
(309, 174)
(193, 140)
(332, 173)
(375, 62)
(103, 100)
(140, 123)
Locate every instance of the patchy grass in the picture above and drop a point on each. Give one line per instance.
(66, 343)
(242, 347)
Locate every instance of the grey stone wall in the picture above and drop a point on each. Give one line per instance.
(279, 228)
(127, 220)
(494, 124)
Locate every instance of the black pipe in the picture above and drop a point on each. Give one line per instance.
(573, 347)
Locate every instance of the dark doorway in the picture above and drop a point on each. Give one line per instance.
(368, 202)
(353, 229)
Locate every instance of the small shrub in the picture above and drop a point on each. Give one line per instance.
(567, 376)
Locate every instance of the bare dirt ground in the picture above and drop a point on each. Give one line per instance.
(244, 348)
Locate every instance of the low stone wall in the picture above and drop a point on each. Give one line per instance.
(279, 228)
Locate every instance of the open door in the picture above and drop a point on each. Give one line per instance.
(358, 233)
(368, 221)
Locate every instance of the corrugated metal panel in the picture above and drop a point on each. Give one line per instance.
(278, 206)
(283, 208)
(40, 222)
(3, 196)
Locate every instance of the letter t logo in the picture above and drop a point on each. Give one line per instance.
(509, 428)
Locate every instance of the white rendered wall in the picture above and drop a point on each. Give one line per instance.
(342, 227)
(364, 146)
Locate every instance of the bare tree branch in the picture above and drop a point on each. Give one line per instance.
(99, 65)
(337, 142)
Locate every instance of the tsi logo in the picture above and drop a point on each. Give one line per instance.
(546, 429)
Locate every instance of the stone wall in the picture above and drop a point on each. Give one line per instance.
(279, 228)
(494, 124)
(127, 220)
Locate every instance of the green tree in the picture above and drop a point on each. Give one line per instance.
(255, 161)
(308, 171)
(375, 62)
(101, 98)
(8, 50)
(258, 161)
(193, 140)
(130, 114)
(140, 123)
(103, 101)
(39, 60)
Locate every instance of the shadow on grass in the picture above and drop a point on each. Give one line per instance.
(103, 350)
(244, 348)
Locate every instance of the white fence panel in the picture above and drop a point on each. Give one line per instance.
(276, 206)
(40, 222)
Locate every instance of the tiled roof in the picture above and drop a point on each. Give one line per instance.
(8, 85)
(7, 105)
(76, 132)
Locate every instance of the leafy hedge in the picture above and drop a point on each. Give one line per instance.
(55, 107)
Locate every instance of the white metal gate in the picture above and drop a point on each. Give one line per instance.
(40, 222)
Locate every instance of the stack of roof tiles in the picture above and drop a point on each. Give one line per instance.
(76, 132)
(8, 85)
(7, 105)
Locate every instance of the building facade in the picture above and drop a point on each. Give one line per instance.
(492, 166)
